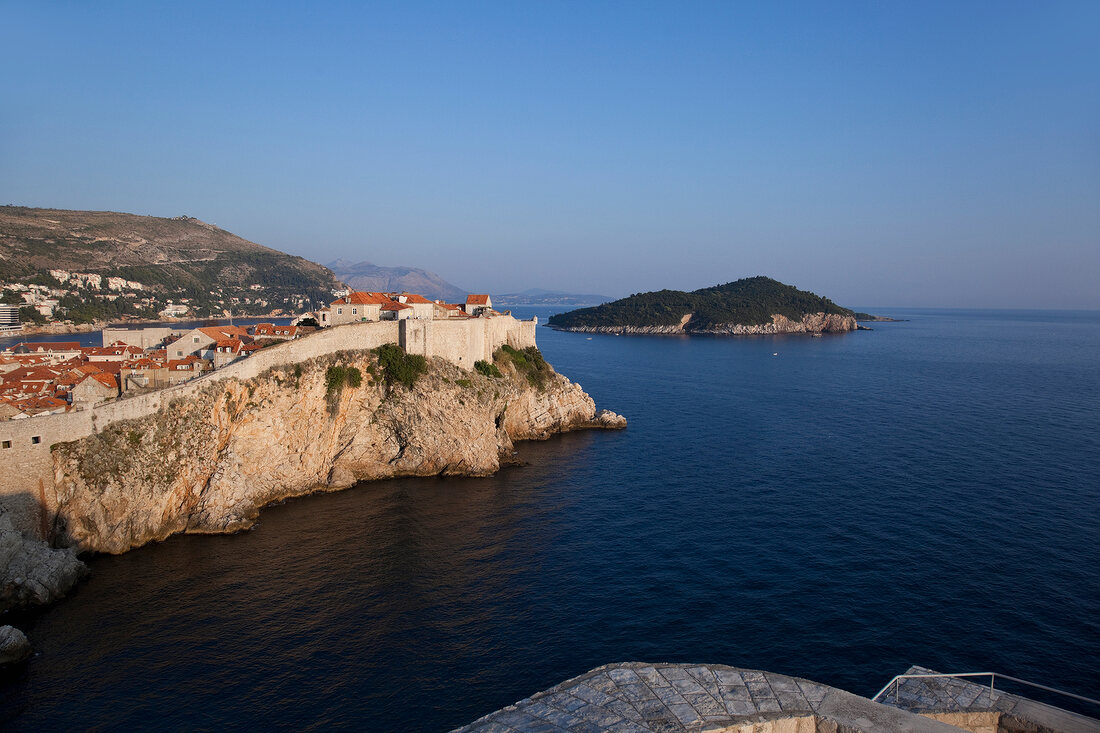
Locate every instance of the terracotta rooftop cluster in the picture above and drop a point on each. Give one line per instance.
(40, 378)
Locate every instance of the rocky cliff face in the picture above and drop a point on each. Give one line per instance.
(810, 323)
(209, 464)
(31, 572)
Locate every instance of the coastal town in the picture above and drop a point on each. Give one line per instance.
(53, 377)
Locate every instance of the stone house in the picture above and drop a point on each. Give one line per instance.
(422, 308)
(143, 373)
(200, 341)
(95, 388)
(394, 311)
(181, 370)
(477, 304)
(226, 351)
(114, 352)
(353, 308)
(448, 310)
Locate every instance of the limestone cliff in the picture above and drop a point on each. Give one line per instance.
(809, 323)
(209, 463)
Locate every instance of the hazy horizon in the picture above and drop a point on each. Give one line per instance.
(940, 155)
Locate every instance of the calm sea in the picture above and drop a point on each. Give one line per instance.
(835, 508)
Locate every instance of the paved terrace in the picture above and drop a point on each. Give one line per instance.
(952, 698)
(671, 697)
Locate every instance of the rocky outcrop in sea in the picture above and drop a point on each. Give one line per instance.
(208, 464)
(32, 572)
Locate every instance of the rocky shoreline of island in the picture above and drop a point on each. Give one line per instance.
(810, 323)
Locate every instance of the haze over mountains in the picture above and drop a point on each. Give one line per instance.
(204, 266)
(376, 278)
(539, 296)
(371, 277)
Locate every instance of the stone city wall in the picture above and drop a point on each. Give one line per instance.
(26, 464)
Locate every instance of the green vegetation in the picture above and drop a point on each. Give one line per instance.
(750, 301)
(28, 314)
(487, 369)
(464, 383)
(336, 376)
(528, 362)
(399, 367)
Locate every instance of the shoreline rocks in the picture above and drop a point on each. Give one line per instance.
(32, 572)
(14, 646)
(809, 323)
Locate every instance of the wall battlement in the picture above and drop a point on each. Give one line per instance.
(26, 462)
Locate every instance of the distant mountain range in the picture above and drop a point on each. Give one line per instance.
(375, 278)
(371, 277)
(538, 296)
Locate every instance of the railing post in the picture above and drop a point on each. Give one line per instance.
(992, 676)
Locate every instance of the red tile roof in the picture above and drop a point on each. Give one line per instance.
(360, 298)
(107, 380)
(225, 332)
(477, 299)
(51, 345)
(394, 306)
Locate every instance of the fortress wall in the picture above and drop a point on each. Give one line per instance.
(26, 468)
(144, 338)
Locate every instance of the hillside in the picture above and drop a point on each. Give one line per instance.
(733, 307)
(375, 278)
(183, 260)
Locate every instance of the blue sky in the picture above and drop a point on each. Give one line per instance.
(939, 154)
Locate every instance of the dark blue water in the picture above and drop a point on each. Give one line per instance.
(927, 493)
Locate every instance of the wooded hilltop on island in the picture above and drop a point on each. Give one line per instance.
(750, 305)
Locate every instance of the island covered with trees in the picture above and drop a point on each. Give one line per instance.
(750, 305)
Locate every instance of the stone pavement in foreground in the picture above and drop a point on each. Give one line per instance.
(670, 697)
(939, 695)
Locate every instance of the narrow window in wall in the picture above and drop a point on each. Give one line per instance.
(6, 444)
(36, 439)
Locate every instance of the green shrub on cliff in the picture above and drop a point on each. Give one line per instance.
(487, 369)
(399, 367)
(528, 362)
(335, 376)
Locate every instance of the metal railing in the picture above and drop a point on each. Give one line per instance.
(896, 682)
